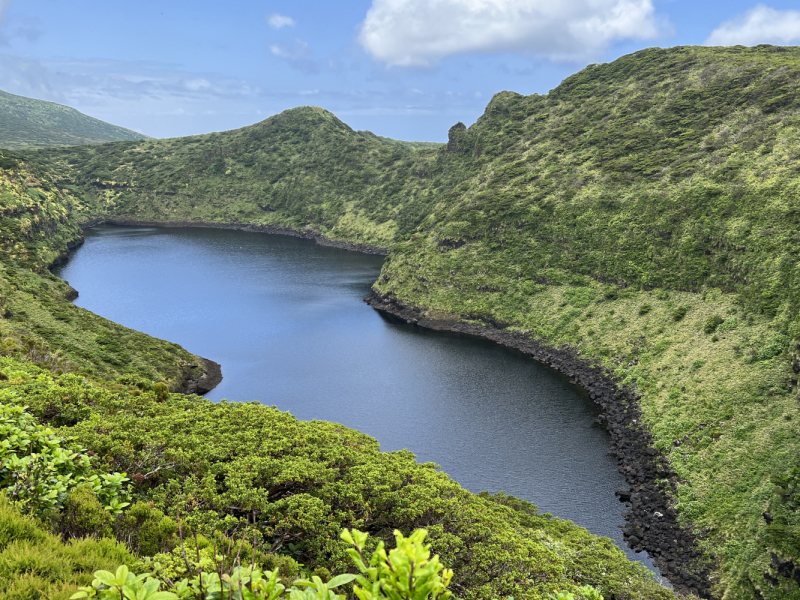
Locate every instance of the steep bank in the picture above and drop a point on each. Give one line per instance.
(653, 523)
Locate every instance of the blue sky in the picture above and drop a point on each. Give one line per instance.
(401, 68)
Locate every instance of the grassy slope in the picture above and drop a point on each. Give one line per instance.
(39, 323)
(29, 123)
(618, 214)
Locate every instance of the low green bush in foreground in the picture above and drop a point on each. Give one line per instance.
(213, 482)
(407, 572)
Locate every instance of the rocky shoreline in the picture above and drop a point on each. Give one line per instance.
(651, 522)
(201, 379)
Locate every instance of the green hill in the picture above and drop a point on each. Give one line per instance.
(642, 216)
(29, 123)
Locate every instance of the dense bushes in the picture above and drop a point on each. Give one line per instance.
(406, 572)
(39, 469)
(293, 486)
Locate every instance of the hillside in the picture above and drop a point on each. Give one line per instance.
(29, 123)
(643, 215)
(38, 226)
(86, 386)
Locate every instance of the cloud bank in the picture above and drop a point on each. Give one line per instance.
(760, 25)
(421, 32)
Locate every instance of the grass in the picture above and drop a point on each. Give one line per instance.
(35, 564)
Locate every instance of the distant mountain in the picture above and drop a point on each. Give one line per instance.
(29, 123)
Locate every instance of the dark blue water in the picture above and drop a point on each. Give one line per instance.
(285, 319)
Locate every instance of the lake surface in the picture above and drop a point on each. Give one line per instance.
(285, 319)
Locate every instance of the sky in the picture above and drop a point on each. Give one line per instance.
(407, 69)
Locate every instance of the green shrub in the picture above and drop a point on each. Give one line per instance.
(712, 323)
(38, 469)
(772, 347)
(644, 309)
(728, 324)
(8, 163)
(162, 391)
(679, 313)
(406, 571)
(146, 530)
(84, 516)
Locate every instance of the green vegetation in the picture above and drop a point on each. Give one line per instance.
(103, 453)
(39, 470)
(38, 224)
(405, 572)
(644, 213)
(29, 123)
(35, 564)
(222, 474)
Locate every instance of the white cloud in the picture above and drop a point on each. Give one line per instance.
(760, 25)
(421, 32)
(277, 21)
(299, 49)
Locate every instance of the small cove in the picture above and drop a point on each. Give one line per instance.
(284, 318)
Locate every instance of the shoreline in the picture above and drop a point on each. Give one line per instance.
(209, 377)
(672, 546)
(201, 383)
